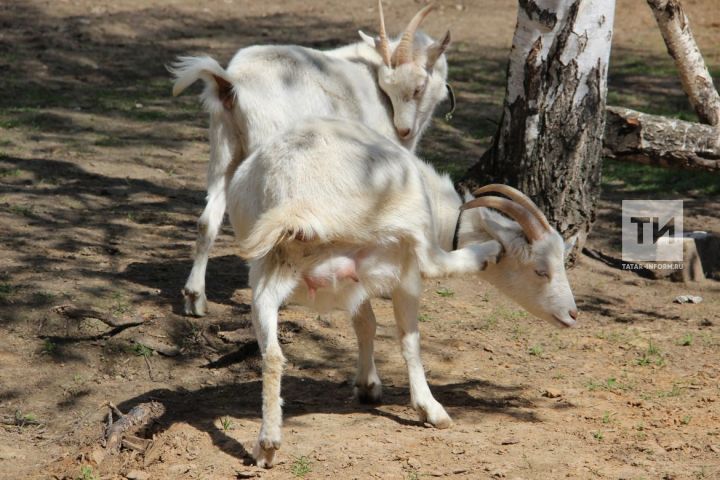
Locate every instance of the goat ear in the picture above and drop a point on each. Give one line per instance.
(570, 244)
(437, 49)
(501, 228)
(368, 39)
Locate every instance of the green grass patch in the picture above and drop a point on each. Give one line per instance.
(301, 467)
(21, 210)
(686, 340)
(536, 351)
(226, 424)
(5, 291)
(141, 350)
(445, 292)
(651, 356)
(49, 347)
(638, 178)
(608, 384)
(607, 417)
(10, 172)
(86, 473)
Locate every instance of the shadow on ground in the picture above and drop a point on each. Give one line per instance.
(304, 396)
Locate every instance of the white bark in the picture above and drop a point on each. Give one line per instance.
(550, 136)
(694, 75)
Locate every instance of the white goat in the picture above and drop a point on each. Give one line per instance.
(266, 89)
(331, 213)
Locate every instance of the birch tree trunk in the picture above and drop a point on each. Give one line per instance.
(694, 75)
(549, 140)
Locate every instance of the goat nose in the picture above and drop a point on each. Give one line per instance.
(573, 314)
(403, 132)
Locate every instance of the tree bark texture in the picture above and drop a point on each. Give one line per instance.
(549, 141)
(654, 140)
(694, 75)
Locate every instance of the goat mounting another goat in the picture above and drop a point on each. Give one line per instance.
(391, 86)
(332, 213)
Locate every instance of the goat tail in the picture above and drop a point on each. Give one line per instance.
(218, 84)
(188, 70)
(278, 226)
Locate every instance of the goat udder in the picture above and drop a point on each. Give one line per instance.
(328, 275)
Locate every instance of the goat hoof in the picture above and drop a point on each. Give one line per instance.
(369, 394)
(195, 303)
(435, 415)
(264, 457)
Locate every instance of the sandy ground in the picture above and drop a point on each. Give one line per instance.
(101, 180)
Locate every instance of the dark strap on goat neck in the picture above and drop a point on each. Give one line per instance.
(457, 230)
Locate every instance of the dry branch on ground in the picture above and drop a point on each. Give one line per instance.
(655, 140)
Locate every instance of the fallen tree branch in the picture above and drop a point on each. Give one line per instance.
(118, 324)
(655, 140)
(137, 418)
(71, 311)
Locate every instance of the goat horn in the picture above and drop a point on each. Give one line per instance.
(404, 51)
(384, 46)
(532, 228)
(518, 197)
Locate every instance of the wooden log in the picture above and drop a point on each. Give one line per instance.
(708, 247)
(694, 75)
(655, 140)
(689, 270)
(136, 419)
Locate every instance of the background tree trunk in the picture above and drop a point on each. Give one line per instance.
(694, 75)
(549, 140)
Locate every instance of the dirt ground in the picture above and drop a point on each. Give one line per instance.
(101, 180)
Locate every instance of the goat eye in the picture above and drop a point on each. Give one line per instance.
(417, 92)
(542, 273)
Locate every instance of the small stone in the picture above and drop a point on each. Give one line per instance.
(414, 463)
(458, 451)
(510, 441)
(97, 455)
(137, 475)
(552, 393)
(458, 471)
(677, 445)
(181, 468)
(688, 299)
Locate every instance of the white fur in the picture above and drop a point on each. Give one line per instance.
(276, 87)
(334, 194)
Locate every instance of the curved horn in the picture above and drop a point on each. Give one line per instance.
(532, 228)
(404, 51)
(384, 46)
(451, 94)
(518, 197)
